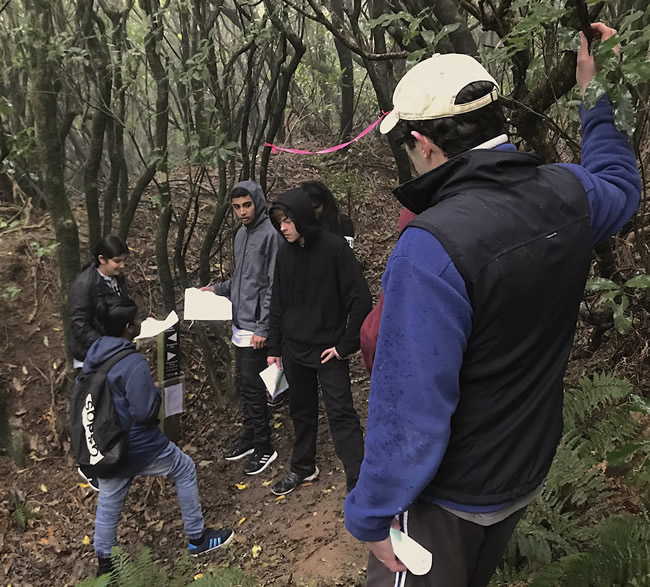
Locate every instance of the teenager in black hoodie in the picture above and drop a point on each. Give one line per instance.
(320, 299)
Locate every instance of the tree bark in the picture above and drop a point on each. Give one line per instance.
(44, 104)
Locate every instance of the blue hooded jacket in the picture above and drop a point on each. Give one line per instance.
(137, 402)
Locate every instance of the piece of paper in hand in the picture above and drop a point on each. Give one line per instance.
(204, 305)
(416, 558)
(274, 380)
(152, 327)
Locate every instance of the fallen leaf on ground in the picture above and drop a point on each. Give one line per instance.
(241, 485)
(241, 521)
(256, 550)
(85, 540)
(43, 488)
(279, 497)
(267, 483)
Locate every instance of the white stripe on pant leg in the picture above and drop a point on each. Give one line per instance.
(400, 578)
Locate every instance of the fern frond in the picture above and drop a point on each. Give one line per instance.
(620, 558)
(593, 394)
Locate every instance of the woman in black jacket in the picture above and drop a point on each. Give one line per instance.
(102, 276)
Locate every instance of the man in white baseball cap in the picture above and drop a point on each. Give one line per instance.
(481, 297)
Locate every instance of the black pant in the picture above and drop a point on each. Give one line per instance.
(334, 377)
(465, 554)
(250, 362)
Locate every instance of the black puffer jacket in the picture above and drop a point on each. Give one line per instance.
(86, 291)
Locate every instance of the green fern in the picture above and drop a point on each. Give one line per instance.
(576, 494)
(21, 513)
(143, 572)
(621, 557)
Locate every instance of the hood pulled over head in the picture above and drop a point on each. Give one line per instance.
(257, 195)
(296, 204)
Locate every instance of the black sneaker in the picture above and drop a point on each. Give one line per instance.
(93, 483)
(277, 401)
(242, 449)
(259, 461)
(212, 539)
(292, 480)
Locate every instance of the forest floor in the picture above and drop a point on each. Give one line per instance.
(298, 540)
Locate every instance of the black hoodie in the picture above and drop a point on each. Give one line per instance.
(320, 297)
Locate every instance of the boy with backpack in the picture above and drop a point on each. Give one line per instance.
(320, 299)
(136, 401)
(249, 290)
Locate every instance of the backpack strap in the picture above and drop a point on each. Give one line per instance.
(109, 363)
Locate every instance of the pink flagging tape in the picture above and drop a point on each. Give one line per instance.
(363, 133)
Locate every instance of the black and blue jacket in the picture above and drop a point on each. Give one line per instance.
(481, 296)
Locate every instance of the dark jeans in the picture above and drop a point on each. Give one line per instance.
(334, 377)
(250, 362)
(465, 554)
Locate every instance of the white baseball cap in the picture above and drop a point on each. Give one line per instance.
(429, 89)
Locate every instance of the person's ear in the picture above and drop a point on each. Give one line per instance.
(102, 260)
(422, 143)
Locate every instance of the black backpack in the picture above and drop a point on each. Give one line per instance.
(98, 439)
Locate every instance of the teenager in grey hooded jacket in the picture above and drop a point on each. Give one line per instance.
(249, 290)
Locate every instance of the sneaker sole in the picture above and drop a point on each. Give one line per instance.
(250, 451)
(258, 471)
(228, 540)
(81, 474)
(311, 477)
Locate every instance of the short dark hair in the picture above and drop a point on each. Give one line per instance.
(459, 133)
(110, 246)
(239, 192)
(319, 193)
(114, 313)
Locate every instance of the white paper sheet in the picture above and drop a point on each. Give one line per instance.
(173, 399)
(204, 305)
(274, 380)
(416, 558)
(152, 327)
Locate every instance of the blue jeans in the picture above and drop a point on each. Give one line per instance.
(172, 462)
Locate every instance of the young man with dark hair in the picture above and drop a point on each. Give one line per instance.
(249, 290)
(481, 298)
(320, 299)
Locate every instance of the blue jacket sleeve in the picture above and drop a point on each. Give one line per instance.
(608, 171)
(414, 390)
(143, 396)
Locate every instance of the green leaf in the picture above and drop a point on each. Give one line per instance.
(597, 88)
(628, 20)
(448, 28)
(640, 281)
(622, 322)
(623, 454)
(385, 19)
(416, 55)
(636, 72)
(600, 283)
(624, 112)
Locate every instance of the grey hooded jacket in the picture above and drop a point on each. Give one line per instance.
(250, 287)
